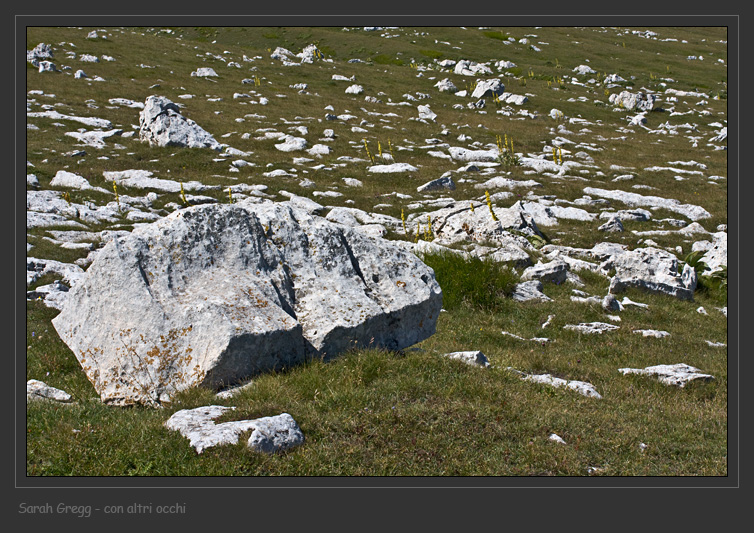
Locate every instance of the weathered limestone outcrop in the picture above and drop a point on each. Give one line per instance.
(162, 124)
(213, 294)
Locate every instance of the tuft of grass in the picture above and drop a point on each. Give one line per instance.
(477, 283)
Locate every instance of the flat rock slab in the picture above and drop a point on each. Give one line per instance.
(214, 294)
(582, 387)
(39, 390)
(652, 333)
(693, 212)
(678, 375)
(471, 358)
(268, 434)
(394, 167)
(592, 327)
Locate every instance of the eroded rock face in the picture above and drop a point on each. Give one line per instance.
(213, 294)
(162, 124)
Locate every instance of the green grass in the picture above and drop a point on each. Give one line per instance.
(415, 412)
(480, 284)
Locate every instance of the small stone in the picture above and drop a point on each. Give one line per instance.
(39, 390)
(471, 358)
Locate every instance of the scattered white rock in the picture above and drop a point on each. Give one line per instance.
(651, 269)
(591, 327)
(39, 390)
(679, 374)
(489, 87)
(529, 290)
(548, 321)
(555, 271)
(268, 434)
(425, 113)
(441, 183)
(291, 144)
(63, 178)
(471, 358)
(394, 167)
(629, 101)
(693, 212)
(652, 333)
(446, 86)
(161, 124)
(582, 387)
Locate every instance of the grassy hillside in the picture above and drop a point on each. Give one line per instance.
(413, 413)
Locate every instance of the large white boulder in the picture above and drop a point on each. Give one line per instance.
(213, 294)
(162, 124)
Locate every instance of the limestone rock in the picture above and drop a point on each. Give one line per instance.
(426, 113)
(204, 72)
(613, 225)
(651, 269)
(40, 52)
(213, 294)
(446, 86)
(554, 271)
(627, 100)
(693, 212)
(162, 124)
(486, 88)
(611, 303)
(652, 333)
(53, 294)
(584, 69)
(678, 375)
(529, 290)
(38, 390)
(268, 434)
(394, 167)
(471, 358)
(717, 256)
(63, 178)
(441, 183)
(582, 387)
(291, 144)
(465, 155)
(515, 99)
(591, 327)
